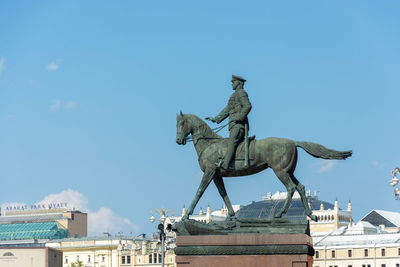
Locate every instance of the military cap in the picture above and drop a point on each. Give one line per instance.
(235, 77)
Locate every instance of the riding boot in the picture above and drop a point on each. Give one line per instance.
(228, 156)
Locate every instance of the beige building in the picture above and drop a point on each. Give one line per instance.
(113, 251)
(206, 217)
(330, 219)
(30, 257)
(372, 242)
(351, 248)
(75, 222)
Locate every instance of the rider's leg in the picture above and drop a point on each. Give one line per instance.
(236, 134)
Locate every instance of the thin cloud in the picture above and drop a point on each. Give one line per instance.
(326, 166)
(70, 105)
(100, 221)
(10, 116)
(57, 105)
(2, 63)
(375, 163)
(52, 66)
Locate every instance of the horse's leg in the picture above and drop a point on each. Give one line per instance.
(205, 181)
(222, 191)
(285, 178)
(301, 189)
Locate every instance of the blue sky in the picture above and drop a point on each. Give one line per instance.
(89, 92)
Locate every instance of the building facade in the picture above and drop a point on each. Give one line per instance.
(42, 224)
(30, 256)
(113, 251)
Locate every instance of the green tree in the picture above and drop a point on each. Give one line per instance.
(77, 264)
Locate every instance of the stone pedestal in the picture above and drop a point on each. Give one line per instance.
(244, 250)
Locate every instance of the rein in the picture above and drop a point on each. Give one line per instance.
(216, 130)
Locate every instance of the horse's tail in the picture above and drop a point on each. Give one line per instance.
(319, 151)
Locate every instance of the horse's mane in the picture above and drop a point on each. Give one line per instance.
(202, 126)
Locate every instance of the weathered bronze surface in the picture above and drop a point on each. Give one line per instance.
(237, 109)
(277, 153)
(241, 226)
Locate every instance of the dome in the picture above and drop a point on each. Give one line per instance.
(266, 209)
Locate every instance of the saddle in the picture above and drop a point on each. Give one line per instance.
(240, 151)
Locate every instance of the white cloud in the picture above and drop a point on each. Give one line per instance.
(325, 165)
(103, 220)
(2, 63)
(57, 105)
(74, 199)
(70, 105)
(10, 116)
(375, 163)
(52, 66)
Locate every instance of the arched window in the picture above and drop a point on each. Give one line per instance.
(151, 258)
(8, 254)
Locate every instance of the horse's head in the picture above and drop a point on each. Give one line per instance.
(183, 127)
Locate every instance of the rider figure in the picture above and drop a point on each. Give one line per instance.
(237, 109)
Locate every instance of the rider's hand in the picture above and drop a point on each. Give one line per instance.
(210, 119)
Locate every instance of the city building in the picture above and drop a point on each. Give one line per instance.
(387, 221)
(357, 245)
(206, 217)
(113, 251)
(30, 256)
(330, 216)
(42, 222)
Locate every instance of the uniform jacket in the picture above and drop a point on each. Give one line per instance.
(237, 109)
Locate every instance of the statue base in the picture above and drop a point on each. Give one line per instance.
(236, 247)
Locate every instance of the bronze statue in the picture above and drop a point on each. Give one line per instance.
(237, 109)
(276, 153)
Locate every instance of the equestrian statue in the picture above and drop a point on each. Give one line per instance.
(240, 155)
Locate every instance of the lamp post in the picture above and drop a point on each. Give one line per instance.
(395, 181)
(163, 217)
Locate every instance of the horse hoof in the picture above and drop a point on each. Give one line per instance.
(313, 217)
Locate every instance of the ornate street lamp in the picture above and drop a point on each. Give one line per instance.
(161, 227)
(395, 181)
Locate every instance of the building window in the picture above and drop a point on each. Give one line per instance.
(316, 254)
(333, 254)
(363, 265)
(365, 252)
(128, 259)
(349, 265)
(383, 253)
(66, 259)
(72, 216)
(8, 254)
(397, 265)
(383, 265)
(123, 260)
(77, 258)
(151, 258)
(103, 258)
(350, 253)
(88, 259)
(398, 252)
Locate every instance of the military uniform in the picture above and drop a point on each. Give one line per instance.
(237, 109)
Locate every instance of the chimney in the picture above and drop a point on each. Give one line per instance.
(183, 211)
(349, 206)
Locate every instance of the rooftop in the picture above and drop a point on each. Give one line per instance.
(33, 230)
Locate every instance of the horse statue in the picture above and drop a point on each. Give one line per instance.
(279, 154)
